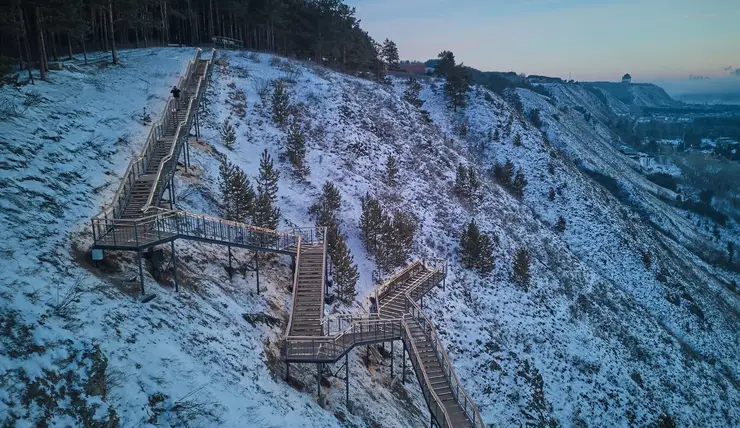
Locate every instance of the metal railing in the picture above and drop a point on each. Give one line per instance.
(311, 235)
(331, 348)
(466, 404)
(436, 408)
(399, 278)
(295, 284)
(168, 164)
(138, 166)
(167, 224)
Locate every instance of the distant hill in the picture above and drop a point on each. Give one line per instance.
(635, 94)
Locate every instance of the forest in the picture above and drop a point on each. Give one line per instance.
(35, 33)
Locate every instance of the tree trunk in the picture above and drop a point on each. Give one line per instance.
(69, 47)
(42, 46)
(27, 44)
(84, 48)
(165, 23)
(53, 46)
(20, 51)
(104, 29)
(93, 27)
(210, 19)
(136, 36)
(112, 33)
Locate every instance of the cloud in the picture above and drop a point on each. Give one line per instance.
(728, 68)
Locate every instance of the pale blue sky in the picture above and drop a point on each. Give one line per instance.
(598, 39)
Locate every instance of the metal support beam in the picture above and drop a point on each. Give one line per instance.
(174, 266)
(318, 382)
(230, 269)
(391, 359)
(287, 371)
(346, 378)
(403, 371)
(257, 269)
(141, 272)
(172, 184)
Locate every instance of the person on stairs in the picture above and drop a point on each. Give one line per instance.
(175, 91)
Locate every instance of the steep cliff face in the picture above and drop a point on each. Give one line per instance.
(601, 335)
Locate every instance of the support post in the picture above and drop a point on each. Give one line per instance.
(174, 266)
(403, 371)
(346, 377)
(257, 264)
(391, 359)
(230, 269)
(186, 155)
(318, 382)
(141, 272)
(172, 184)
(287, 371)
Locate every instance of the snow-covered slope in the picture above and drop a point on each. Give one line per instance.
(597, 339)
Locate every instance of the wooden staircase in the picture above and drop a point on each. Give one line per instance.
(308, 295)
(426, 356)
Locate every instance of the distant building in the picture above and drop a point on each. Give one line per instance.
(627, 78)
(644, 159)
(415, 68)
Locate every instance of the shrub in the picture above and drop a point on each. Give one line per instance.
(520, 271)
(664, 180)
(262, 87)
(560, 224)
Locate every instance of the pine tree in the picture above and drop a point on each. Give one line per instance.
(485, 263)
(445, 65)
(496, 135)
(280, 103)
(228, 134)
(372, 224)
(457, 86)
(473, 181)
(398, 239)
(324, 213)
(345, 273)
(295, 147)
(462, 181)
(560, 224)
(518, 140)
(551, 194)
(411, 94)
(521, 274)
(225, 179)
(520, 182)
(266, 212)
(504, 173)
(389, 53)
(391, 171)
(476, 249)
(237, 193)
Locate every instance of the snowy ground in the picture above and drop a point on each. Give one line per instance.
(595, 340)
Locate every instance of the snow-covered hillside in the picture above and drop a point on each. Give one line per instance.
(599, 338)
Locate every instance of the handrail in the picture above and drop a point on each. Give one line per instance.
(137, 166)
(386, 286)
(464, 401)
(184, 124)
(425, 376)
(295, 285)
(323, 275)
